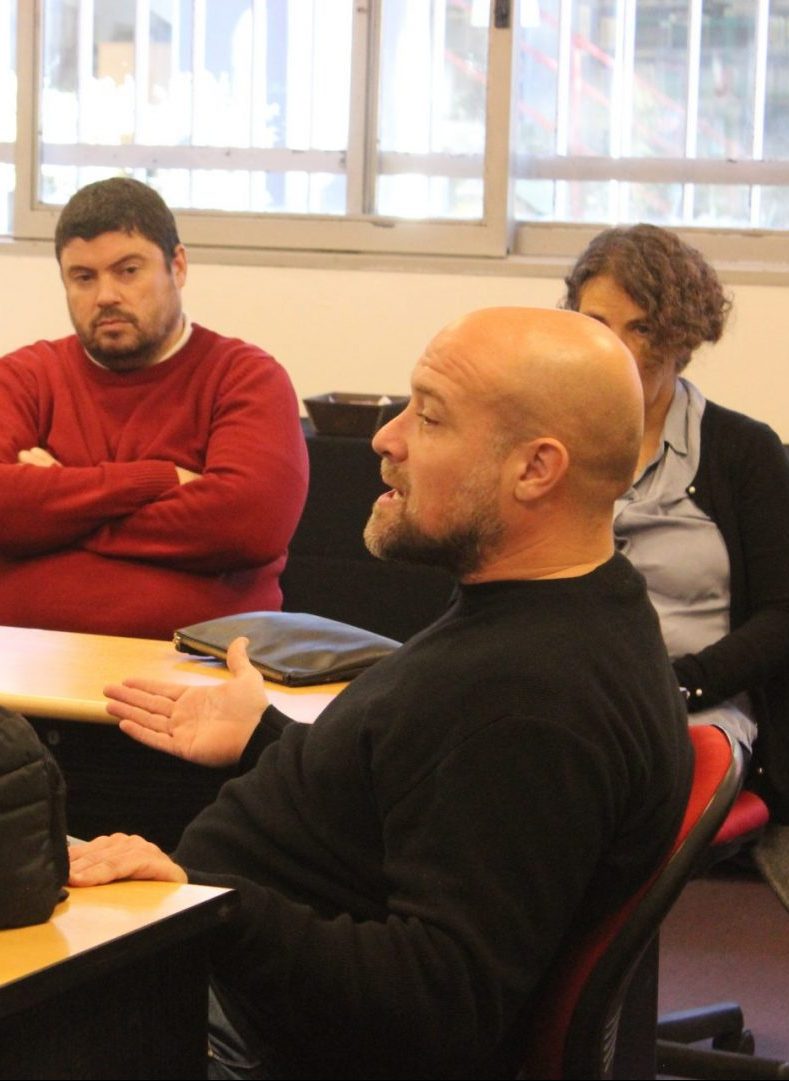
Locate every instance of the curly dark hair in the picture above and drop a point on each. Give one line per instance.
(122, 205)
(670, 280)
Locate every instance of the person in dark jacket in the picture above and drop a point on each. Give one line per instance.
(706, 519)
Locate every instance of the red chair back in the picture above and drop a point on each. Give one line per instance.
(572, 1033)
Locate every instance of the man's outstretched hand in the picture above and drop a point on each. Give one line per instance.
(207, 725)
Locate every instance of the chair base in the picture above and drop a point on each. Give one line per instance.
(681, 1060)
(731, 1055)
(722, 1023)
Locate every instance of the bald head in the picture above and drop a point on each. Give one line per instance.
(556, 374)
(523, 427)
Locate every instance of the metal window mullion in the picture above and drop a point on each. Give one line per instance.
(85, 46)
(7, 42)
(373, 104)
(315, 45)
(258, 113)
(258, 84)
(497, 175)
(176, 29)
(759, 102)
(198, 67)
(199, 31)
(438, 31)
(29, 48)
(563, 81)
(142, 66)
(656, 170)
(361, 152)
(176, 34)
(615, 104)
(692, 101)
(624, 83)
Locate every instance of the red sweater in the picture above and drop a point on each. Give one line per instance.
(111, 543)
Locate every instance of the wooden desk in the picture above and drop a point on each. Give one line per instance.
(113, 986)
(58, 674)
(56, 678)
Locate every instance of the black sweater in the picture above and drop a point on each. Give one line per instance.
(743, 485)
(409, 865)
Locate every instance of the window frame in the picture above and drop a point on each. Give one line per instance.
(353, 232)
(520, 247)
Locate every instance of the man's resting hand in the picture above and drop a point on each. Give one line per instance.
(106, 859)
(207, 725)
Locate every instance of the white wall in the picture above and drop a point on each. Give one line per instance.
(362, 330)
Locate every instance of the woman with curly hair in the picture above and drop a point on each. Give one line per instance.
(706, 520)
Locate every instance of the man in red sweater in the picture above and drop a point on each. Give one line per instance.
(151, 471)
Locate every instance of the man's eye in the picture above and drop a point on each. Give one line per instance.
(426, 420)
(130, 271)
(643, 329)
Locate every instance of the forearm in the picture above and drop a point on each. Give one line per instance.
(47, 509)
(743, 660)
(226, 520)
(243, 509)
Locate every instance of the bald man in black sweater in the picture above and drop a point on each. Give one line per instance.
(409, 865)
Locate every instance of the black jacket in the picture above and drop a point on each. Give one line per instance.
(33, 853)
(742, 483)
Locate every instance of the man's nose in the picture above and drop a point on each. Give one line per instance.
(107, 292)
(388, 441)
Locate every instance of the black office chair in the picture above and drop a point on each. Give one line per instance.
(573, 1032)
(732, 1052)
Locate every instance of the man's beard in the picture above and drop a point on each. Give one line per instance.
(461, 550)
(126, 354)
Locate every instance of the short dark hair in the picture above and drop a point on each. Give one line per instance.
(673, 283)
(119, 204)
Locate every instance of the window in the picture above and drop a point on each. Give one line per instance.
(440, 126)
(675, 112)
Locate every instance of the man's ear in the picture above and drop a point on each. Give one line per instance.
(541, 465)
(178, 265)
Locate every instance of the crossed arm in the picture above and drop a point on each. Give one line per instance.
(207, 725)
(244, 467)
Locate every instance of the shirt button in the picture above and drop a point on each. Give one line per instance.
(692, 489)
(698, 692)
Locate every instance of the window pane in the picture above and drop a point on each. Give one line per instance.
(726, 81)
(591, 78)
(7, 112)
(774, 207)
(216, 102)
(776, 120)
(660, 84)
(653, 81)
(725, 205)
(434, 59)
(537, 70)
